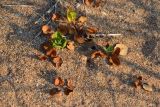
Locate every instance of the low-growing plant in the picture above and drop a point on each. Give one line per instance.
(58, 41)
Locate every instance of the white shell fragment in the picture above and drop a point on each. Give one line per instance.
(147, 87)
(123, 49)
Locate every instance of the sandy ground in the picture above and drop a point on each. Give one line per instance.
(26, 81)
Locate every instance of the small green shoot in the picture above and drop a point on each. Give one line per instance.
(108, 49)
(58, 41)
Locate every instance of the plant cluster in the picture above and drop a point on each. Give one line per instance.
(71, 29)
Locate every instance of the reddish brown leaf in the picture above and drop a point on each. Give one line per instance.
(46, 29)
(52, 52)
(98, 54)
(79, 39)
(138, 82)
(64, 29)
(139, 78)
(88, 2)
(116, 52)
(55, 16)
(67, 91)
(54, 91)
(109, 60)
(70, 46)
(92, 30)
(42, 57)
(58, 81)
(70, 84)
(46, 46)
(83, 59)
(97, 3)
(115, 60)
(71, 30)
(82, 19)
(57, 61)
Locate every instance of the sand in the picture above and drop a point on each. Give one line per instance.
(26, 81)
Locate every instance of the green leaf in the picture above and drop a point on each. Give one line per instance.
(71, 15)
(56, 35)
(58, 41)
(108, 49)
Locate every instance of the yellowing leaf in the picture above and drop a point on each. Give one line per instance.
(71, 15)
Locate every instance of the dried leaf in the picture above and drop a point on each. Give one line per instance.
(71, 30)
(138, 81)
(115, 60)
(57, 61)
(139, 78)
(116, 51)
(98, 53)
(92, 30)
(109, 60)
(83, 59)
(79, 39)
(97, 3)
(67, 91)
(70, 46)
(70, 84)
(88, 2)
(58, 81)
(46, 46)
(123, 49)
(82, 19)
(54, 91)
(147, 87)
(46, 29)
(52, 52)
(42, 57)
(55, 16)
(63, 29)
